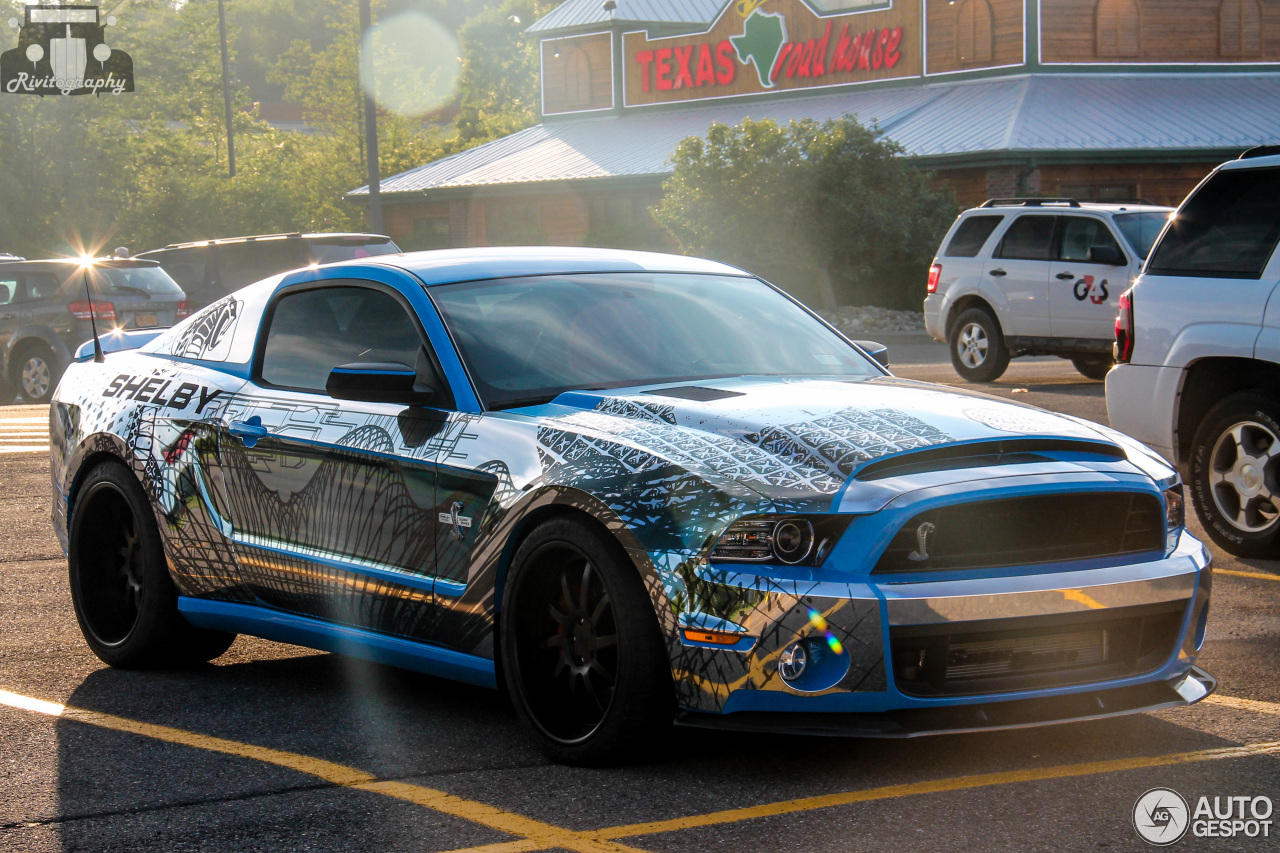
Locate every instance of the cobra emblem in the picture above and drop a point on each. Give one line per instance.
(922, 537)
(456, 520)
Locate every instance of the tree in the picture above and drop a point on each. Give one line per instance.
(832, 212)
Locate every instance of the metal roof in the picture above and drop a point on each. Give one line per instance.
(1069, 114)
(572, 14)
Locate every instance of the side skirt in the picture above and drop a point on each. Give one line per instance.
(285, 627)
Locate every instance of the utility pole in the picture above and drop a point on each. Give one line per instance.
(371, 129)
(226, 88)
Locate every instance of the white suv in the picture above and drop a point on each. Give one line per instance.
(1036, 276)
(1198, 346)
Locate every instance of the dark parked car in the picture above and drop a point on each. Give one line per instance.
(44, 313)
(211, 269)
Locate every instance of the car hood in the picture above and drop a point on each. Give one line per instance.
(797, 440)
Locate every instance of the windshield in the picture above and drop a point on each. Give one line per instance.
(149, 280)
(526, 340)
(327, 253)
(1140, 230)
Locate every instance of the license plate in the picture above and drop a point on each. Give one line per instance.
(145, 319)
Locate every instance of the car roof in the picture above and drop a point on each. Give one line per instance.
(294, 235)
(1056, 206)
(445, 266)
(101, 262)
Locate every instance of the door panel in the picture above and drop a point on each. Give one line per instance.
(1084, 297)
(1020, 270)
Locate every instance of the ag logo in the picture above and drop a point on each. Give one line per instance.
(1085, 290)
(1161, 816)
(62, 50)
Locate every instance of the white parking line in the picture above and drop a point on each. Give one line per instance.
(24, 435)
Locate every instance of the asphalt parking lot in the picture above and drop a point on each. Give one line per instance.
(278, 748)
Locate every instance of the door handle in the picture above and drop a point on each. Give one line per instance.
(998, 272)
(9, 317)
(1065, 276)
(248, 431)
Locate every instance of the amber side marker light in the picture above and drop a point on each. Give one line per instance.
(719, 638)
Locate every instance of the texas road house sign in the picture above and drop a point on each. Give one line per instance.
(62, 50)
(776, 45)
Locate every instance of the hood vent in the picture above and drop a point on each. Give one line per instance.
(696, 393)
(980, 454)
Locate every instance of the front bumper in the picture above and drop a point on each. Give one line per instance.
(1020, 713)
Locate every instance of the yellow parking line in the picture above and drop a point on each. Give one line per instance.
(538, 834)
(1255, 575)
(1244, 704)
(958, 783)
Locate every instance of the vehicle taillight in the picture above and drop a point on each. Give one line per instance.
(101, 310)
(1123, 348)
(935, 273)
(184, 309)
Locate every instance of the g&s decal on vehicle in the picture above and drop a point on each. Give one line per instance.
(153, 390)
(1085, 290)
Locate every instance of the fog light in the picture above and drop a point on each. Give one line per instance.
(793, 662)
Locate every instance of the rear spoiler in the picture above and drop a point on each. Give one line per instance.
(118, 341)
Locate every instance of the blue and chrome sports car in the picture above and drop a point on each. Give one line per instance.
(628, 489)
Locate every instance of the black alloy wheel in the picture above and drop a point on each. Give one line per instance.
(124, 598)
(1235, 474)
(582, 657)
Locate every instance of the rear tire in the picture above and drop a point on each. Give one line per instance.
(124, 598)
(1093, 366)
(978, 352)
(34, 372)
(582, 656)
(1235, 474)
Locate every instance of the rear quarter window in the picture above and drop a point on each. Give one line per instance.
(1227, 229)
(971, 236)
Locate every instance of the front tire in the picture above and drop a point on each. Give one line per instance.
(582, 657)
(978, 352)
(1235, 474)
(124, 598)
(1093, 366)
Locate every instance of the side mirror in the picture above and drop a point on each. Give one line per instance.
(378, 382)
(1109, 255)
(879, 352)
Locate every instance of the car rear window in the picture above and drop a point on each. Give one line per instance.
(143, 281)
(971, 236)
(1029, 238)
(1140, 230)
(1227, 229)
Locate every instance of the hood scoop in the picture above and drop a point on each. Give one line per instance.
(697, 393)
(979, 454)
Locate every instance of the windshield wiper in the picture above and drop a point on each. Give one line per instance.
(131, 289)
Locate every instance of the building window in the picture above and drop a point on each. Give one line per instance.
(430, 232)
(577, 79)
(1240, 28)
(1119, 25)
(973, 31)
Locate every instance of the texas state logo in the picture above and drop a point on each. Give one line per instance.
(63, 50)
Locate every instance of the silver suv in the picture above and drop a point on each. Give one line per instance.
(1036, 276)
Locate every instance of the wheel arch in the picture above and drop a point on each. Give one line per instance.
(963, 304)
(1210, 380)
(97, 448)
(28, 336)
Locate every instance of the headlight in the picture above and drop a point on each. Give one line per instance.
(794, 540)
(1175, 513)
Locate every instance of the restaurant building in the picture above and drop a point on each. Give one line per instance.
(1092, 99)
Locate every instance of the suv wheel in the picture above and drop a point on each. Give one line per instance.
(34, 373)
(977, 346)
(1093, 366)
(1235, 474)
(582, 656)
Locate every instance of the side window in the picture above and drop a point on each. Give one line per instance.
(188, 268)
(971, 236)
(37, 285)
(253, 260)
(314, 331)
(1029, 238)
(1082, 233)
(8, 289)
(1228, 229)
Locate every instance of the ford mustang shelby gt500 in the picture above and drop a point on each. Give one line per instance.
(627, 487)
